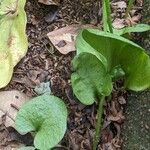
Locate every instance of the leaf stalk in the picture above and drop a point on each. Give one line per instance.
(98, 122)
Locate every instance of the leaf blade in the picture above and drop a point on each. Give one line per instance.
(48, 117)
(90, 78)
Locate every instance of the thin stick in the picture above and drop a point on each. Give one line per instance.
(98, 123)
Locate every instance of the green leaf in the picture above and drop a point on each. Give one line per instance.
(118, 51)
(117, 72)
(90, 79)
(27, 148)
(13, 39)
(47, 116)
(135, 28)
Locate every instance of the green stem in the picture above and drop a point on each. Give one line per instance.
(107, 2)
(98, 123)
(104, 16)
(107, 23)
(129, 7)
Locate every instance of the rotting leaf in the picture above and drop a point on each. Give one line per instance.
(47, 117)
(10, 102)
(13, 40)
(64, 39)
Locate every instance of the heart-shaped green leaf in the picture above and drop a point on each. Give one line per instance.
(118, 51)
(13, 40)
(90, 79)
(47, 116)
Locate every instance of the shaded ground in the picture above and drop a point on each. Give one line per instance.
(44, 64)
(136, 127)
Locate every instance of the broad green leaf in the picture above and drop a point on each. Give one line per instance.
(27, 148)
(118, 51)
(136, 28)
(90, 79)
(13, 40)
(47, 117)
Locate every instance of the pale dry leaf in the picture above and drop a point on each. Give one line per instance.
(133, 20)
(120, 5)
(49, 2)
(118, 23)
(10, 102)
(118, 118)
(64, 39)
(12, 146)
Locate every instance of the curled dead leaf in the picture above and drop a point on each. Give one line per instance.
(118, 118)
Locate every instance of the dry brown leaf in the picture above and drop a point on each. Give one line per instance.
(119, 23)
(118, 118)
(133, 20)
(120, 4)
(10, 102)
(49, 2)
(64, 39)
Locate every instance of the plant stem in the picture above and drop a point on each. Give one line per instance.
(107, 2)
(98, 123)
(104, 16)
(129, 7)
(107, 23)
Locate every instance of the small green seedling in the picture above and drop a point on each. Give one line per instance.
(102, 58)
(46, 116)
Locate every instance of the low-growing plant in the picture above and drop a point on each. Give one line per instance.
(46, 117)
(101, 59)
